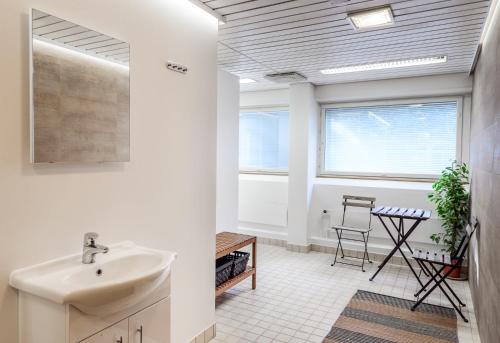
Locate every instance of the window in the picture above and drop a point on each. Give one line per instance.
(396, 139)
(264, 140)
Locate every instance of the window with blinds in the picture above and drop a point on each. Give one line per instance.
(399, 139)
(264, 141)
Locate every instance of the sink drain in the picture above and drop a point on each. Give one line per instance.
(99, 272)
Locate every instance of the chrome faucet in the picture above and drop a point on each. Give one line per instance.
(90, 248)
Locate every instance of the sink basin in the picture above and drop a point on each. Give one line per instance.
(123, 277)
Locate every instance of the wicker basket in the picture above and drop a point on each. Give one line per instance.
(240, 262)
(223, 269)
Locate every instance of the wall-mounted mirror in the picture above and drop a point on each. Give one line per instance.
(80, 98)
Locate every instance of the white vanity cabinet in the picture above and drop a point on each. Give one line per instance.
(117, 333)
(151, 325)
(42, 321)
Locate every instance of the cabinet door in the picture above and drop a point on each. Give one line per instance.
(151, 325)
(117, 333)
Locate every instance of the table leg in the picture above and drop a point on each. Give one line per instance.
(388, 257)
(403, 240)
(401, 229)
(254, 264)
(398, 244)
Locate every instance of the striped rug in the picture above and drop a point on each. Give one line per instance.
(376, 318)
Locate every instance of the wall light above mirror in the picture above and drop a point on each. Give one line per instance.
(80, 93)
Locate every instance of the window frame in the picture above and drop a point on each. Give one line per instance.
(321, 172)
(263, 171)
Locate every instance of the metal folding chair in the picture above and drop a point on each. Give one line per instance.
(354, 201)
(434, 263)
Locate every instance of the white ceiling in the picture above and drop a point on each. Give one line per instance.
(269, 36)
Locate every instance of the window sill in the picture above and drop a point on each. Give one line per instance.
(390, 184)
(422, 178)
(264, 177)
(331, 181)
(263, 172)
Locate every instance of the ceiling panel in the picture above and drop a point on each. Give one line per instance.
(306, 36)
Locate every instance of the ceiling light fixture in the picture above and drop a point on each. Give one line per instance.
(242, 81)
(371, 18)
(386, 65)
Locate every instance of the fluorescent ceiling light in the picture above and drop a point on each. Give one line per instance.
(247, 81)
(386, 65)
(375, 17)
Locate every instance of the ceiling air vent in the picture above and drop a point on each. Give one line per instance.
(288, 77)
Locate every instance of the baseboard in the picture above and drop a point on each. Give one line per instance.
(395, 260)
(272, 241)
(284, 244)
(267, 232)
(299, 248)
(377, 257)
(206, 335)
(377, 252)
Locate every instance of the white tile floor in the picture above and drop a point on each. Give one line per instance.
(300, 296)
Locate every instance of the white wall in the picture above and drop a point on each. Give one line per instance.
(435, 85)
(303, 119)
(263, 205)
(327, 192)
(275, 97)
(228, 122)
(164, 198)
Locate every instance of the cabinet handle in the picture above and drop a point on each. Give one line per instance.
(120, 340)
(140, 333)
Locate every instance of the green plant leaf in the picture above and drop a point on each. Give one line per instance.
(452, 204)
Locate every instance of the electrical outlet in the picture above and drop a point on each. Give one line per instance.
(177, 67)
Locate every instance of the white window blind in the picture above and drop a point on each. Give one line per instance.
(392, 139)
(264, 140)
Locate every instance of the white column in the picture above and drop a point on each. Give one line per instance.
(228, 116)
(304, 121)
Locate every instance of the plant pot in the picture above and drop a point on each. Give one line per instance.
(455, 274)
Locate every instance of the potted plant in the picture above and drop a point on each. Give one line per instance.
(451, 198)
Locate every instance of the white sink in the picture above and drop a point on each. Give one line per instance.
(123, 277)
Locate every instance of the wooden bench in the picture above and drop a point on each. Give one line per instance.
(228, 242)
